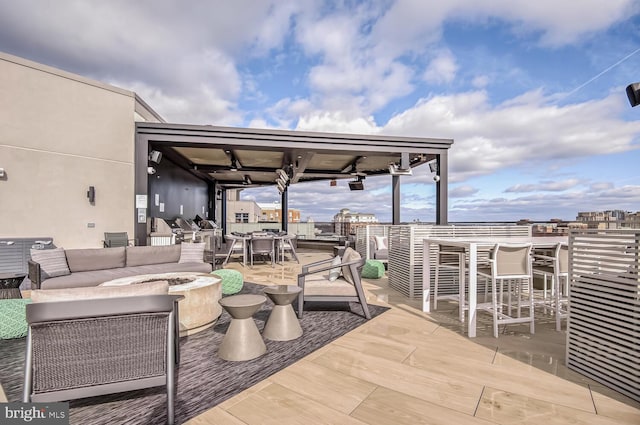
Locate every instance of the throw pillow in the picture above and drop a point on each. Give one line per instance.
(349, 256)
(53, 262)
(381, 242)
(192, 252)
(334, 273)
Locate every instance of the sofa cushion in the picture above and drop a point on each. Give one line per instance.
(53, 262)
(169, 268)
(82, 260)
(69, 294)
(143, 255)
(349, 256)
(94, 278)
(191, 252)
(321, 286)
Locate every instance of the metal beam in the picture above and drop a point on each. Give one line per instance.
(395, 209)
(141, 188)
(284, 204)
(442, 186)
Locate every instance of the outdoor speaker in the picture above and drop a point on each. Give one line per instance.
(356, 185)
(633, 93)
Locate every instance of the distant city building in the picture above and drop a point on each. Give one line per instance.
(633, 220)
(244, 211)
(346, 216)
(555, 227)
(345, 222)
(612, 219)
(273, 212)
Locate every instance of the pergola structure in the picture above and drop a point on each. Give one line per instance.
(230, 158)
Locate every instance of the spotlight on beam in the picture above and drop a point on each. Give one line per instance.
(155, 156)
(281, 186)
(283, 175)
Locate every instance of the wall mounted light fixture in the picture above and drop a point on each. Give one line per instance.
(91, 194)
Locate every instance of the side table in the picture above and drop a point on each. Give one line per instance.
(10, 285)
(282, 324)
(242, 340)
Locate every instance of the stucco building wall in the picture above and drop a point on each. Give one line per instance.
(60, 134)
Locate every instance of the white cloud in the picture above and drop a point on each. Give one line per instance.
(336, 122)
(442, 69)
(480, 82)
(545, 186)
(414, 23)
(525, 129)
(464, 191)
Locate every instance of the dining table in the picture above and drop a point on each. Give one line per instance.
(471, 247)
(244, 239)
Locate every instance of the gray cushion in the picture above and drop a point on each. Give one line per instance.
(68, 294)
(53, 262)
(94, 278)
(82, 260)
(320, 285)
(349, 256)
(143, 255)
(191, 253)
(170, 267)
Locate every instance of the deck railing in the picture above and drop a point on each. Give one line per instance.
(603, 336)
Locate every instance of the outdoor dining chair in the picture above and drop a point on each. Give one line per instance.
(286, 243)
(262, 244)
(117, 239)
(451, 261)
(510, 265)
(237, 244)
(555, 268)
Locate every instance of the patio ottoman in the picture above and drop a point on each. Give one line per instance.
(373, 269)
(232, 281)
(13, 320)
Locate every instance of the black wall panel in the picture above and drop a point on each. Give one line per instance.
(175, 187)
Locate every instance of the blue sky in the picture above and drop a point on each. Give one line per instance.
(531, 92)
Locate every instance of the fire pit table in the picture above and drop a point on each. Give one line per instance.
(199, 309)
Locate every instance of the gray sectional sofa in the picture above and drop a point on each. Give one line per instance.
(93, 266)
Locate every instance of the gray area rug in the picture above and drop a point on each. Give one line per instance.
(203, 379)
